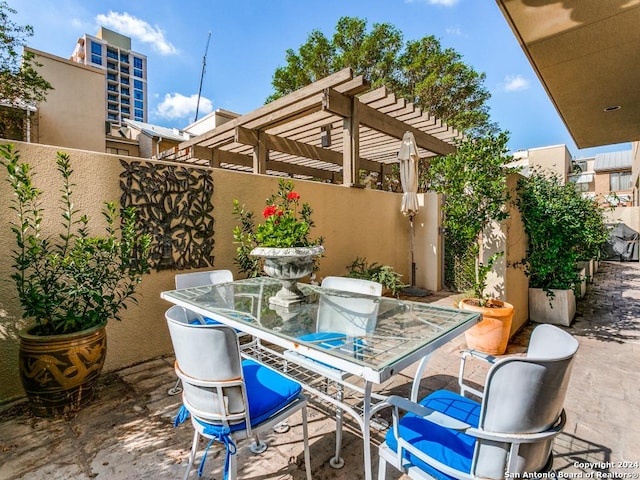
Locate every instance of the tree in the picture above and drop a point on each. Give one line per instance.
(20, 83)
(473, 180)
(436, 80)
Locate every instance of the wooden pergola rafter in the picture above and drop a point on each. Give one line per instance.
(328, 130)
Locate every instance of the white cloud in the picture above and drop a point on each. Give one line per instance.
(454, 31)
(139, 29)
(514, 83)
(176, 105)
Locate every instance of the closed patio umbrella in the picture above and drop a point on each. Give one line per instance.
(408, 158)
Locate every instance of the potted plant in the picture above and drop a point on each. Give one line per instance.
(383, 274)
(69, 284)
(473, 181)
(282, 242)
(561, 225)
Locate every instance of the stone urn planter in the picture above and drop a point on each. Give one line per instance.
(288, 265)
(491, 334)
(59, 372)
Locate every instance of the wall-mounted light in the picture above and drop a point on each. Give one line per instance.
(612, 108)
(325, 136)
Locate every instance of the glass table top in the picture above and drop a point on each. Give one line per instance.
(373, 332)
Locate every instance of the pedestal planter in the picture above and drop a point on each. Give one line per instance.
(557, 310)
(288, 265)
(491, 334)
(59, 372)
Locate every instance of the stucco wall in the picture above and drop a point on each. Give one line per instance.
(74, 113)
(354, 222)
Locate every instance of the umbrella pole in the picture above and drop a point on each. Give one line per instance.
(413, 291)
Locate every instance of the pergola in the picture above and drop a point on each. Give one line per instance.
(328, 130)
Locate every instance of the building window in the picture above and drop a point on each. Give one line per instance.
(112, 88)
(125, 101)
(96, 53)
(137, 84)
(112, 76)
(137, 73)
(619, 181)
(113, 106)
(581, 187)
(124, 69)
(112, 116)
(124, 81)
(139, 114)
(138, 104)
(112, 54)
(125, 110)
(124, 91)
(111, 66)
(112, 98)
(138, 95)
(137, 62)
(124, 57)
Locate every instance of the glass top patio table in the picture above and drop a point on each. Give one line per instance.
(402, 333)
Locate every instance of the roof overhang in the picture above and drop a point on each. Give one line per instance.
(585, 54)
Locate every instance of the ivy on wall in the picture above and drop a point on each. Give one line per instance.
(175, 206)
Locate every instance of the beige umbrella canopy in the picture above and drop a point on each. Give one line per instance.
(408, 158)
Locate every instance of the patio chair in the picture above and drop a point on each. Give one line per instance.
(508, 433)
(228, 399)
(334, 332)
(198, 279)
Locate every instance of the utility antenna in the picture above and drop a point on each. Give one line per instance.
(204, 67)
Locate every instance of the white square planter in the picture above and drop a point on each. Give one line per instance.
(582, 291)
(558, 310)
(589, 269)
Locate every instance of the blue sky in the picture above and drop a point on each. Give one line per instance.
(249, 39)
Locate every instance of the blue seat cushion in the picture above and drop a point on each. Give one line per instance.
(268, 392)
(449, 447)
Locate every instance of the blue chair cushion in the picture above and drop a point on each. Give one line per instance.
(268, 392)
(449, 447)
(334, 341)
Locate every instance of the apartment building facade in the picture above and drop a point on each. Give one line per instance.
(125, 70)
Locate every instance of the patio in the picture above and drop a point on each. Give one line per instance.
(127, 433)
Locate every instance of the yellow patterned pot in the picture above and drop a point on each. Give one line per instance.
(59, 372)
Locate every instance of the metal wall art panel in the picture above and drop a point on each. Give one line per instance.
(175, 205)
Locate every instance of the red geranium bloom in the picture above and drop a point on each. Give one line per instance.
(269, 211)
(279, 213)
(293, 196)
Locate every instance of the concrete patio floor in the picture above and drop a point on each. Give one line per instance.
(127, 431)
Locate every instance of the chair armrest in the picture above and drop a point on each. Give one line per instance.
(429, 414)
(464, 388)
(521, 437)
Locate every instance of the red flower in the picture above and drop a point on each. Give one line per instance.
(269, 211)
(293, 196)
(279, 213)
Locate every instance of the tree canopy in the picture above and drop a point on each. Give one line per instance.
(421, 71)
(20, 82)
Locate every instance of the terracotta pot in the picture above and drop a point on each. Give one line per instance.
(491, 334)
(59, 372)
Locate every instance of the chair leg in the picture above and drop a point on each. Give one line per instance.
(305, 434)
(233, 467)
(382, 468)
(192, 454)
(337, 461)
(257, 446)
(176, 389)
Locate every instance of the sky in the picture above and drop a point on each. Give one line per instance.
(249, 39)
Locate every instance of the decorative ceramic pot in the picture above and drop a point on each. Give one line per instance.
(288, 265)
(491, 334)
(59, 372)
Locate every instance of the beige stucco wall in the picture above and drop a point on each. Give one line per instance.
(73, 115)
(354, 222)
(507, 282)
(555, 158)
(630, 216)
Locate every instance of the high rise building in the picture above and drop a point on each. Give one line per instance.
(126, 73)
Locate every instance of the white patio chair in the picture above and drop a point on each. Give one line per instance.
(228, 399)
(198, 279)
(508, 433)
(334, 331)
